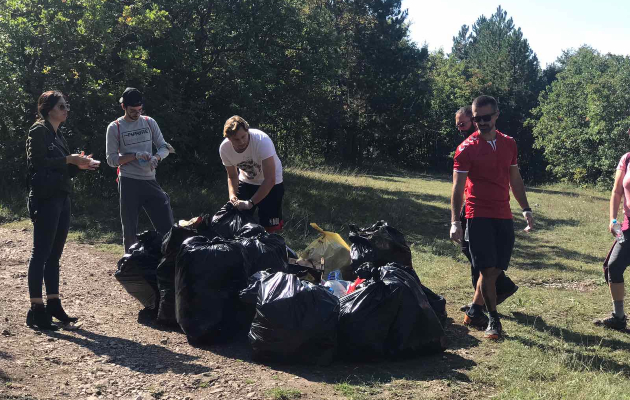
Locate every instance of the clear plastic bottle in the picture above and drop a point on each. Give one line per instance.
(336, 288)
(618, 232)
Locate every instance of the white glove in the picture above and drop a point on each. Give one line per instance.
(456, 232)
(529, 218)
(244, 205)
(143, 155)
(154, 162)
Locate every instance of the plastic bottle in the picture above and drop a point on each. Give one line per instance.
(336, 288)
(618, 233)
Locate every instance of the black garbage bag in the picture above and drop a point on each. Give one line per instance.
(370, 270)
(391, 317)
(229, 220)
(166, 269)
(208, 277)
(379, 244)
(137, 269)
(265, 251)
(437, 302)
(295, 322)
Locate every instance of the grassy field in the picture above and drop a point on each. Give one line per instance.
(551, 349)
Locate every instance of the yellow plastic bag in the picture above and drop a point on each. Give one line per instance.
(334, 251)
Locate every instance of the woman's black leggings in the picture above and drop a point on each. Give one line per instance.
(50, 230)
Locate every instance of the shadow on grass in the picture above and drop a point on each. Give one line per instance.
(563, 193)
(136, 356)
(577, 360)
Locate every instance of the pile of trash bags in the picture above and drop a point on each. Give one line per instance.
(223, 276)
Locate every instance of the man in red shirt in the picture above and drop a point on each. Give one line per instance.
(505, 286)
(486, 167)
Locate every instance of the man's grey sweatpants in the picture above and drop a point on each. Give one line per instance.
(135, 194)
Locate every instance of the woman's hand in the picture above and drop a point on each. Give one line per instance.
(82, 161)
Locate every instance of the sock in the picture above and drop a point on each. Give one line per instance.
(475, 309)
(494, 314)
(618, 308)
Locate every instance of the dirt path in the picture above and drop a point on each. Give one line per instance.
(120, 353)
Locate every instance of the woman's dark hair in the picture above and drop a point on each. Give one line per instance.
(47, 101)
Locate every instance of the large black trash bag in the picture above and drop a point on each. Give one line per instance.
(137, 269)
(295, 322)
(370, 270)
(265, 251)
(390, 318)
(208, 276)
(379, 244)
(166, 271)
(229, 220)
(437, 302)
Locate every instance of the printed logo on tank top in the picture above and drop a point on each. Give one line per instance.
(136, 136)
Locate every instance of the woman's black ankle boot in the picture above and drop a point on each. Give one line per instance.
(53, 306)
(38, 317)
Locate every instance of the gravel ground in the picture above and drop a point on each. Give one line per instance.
(121, 353)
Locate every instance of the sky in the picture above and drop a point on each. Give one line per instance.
(549, 26)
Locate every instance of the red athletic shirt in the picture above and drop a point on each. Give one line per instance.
(488, 166)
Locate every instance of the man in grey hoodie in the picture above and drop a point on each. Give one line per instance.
(129, 144)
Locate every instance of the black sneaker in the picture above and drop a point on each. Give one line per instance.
(477, 321)
(465, 307)
(504, 296)
(494, 329)
(612, 322)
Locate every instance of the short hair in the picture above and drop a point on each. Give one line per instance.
(484, 100)
(233, 124)
(467, 111)
(47, 101)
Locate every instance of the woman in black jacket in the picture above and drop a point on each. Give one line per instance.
(51, 167)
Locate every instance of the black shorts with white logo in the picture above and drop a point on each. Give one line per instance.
(269, 209)
(491, 241)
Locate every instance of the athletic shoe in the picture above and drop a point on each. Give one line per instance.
(476, 321)
(612, 322)
(494, 329)
(500, 299)
(504, 296)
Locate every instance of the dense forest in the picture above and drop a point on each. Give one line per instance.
(333, 82)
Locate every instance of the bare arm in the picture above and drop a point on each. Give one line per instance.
(615, 197)
(269, 171)
(232, 178)
(518, 187)
(457, 195)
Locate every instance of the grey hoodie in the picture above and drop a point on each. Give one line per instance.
(131, 137)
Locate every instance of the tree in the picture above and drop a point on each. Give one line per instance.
(582, 121)
(497, 54)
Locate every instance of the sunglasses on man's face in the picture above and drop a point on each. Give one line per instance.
(484, 118)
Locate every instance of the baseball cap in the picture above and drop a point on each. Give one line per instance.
(131, 97)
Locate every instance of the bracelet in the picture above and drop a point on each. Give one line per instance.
(526, 209)
(250, 200)
(456, 222)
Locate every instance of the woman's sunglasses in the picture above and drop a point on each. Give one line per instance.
(484, 118)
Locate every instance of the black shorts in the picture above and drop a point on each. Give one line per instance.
(491, 241)
(269, 209)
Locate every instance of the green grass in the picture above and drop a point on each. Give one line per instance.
(551, 349)
(283, 394)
